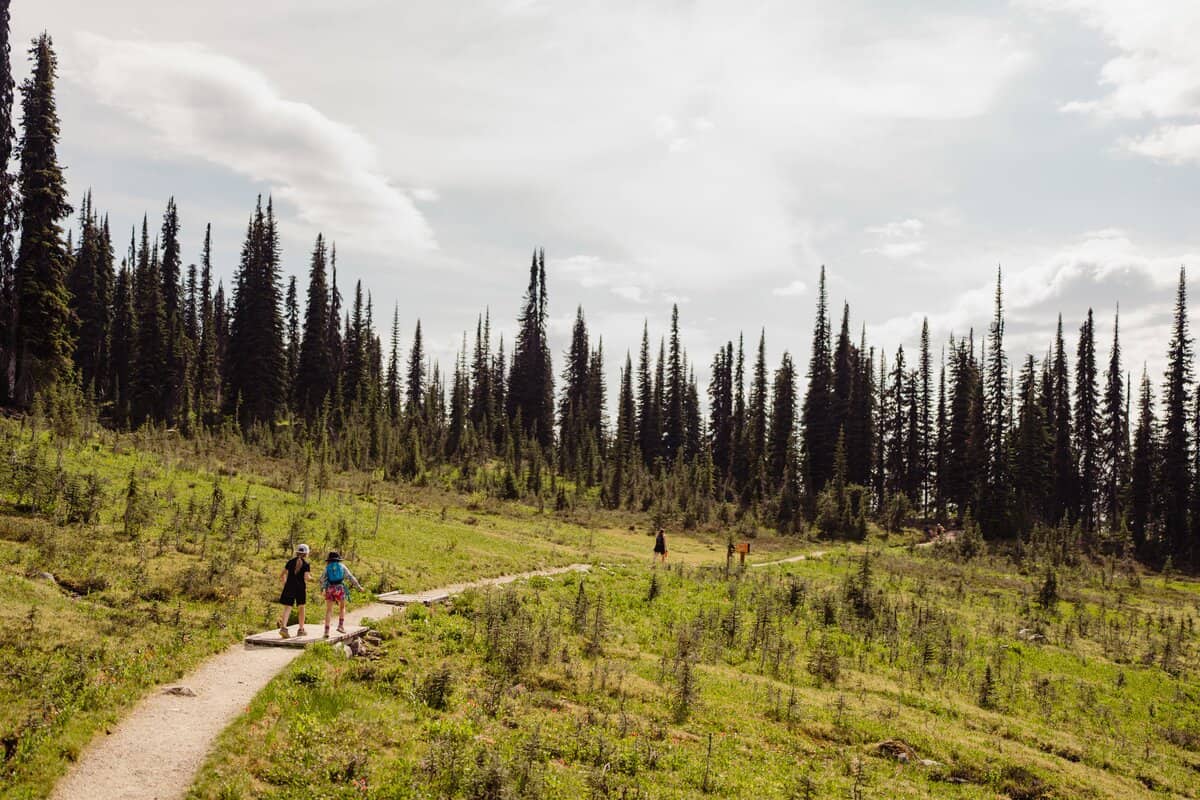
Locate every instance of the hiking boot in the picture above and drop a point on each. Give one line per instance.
(301, 632)
(341, 627)
(283, 633)
(326, 634)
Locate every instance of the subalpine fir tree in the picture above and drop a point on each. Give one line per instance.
(291, 319)
(693, 424)
(816, 423)
(8, 207)
(354, 373)
(995, 495)
(739, 459)
(649, 411)
(415, 383)
(124, 338)
(392, 382)
(176, 345)
(624, 441)
(942, 444)
(781, 435)
(596, 409)
(1065, 496)
(720, 404)
(42, 339)
(1031, 451)
(208, 376)
(255, 362)
(895, 434)
(150, 385)
(531, 381)
(314, 370)
(90, 284)
(925, 431)
(860, 420)
(1114, 432)
(757, 423)
(843, 374)
(676, 388)
(572, 406)
(1143, 471)
(483, 393)
(1087, 426)
(1176, 460)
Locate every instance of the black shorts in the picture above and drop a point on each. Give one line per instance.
(290, 598)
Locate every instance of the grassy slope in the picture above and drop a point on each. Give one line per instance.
(130, 612)
(1088, 713)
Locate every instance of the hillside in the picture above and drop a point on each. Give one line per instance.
(128, 558)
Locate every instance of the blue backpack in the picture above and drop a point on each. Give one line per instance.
(335, 572)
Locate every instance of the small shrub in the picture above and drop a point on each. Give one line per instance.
(435, 688)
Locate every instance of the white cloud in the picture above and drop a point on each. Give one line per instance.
(1155, 74)
(205, 105)
(901, 239)
(1096, 270)
(791, 290)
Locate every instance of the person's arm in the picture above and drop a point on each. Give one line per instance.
(283, 575)
(353, 579)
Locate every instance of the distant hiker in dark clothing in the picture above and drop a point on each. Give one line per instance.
(295, 589)
(333, 583)
(660, 546)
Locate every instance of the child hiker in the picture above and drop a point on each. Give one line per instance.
(333, 583)
(295, 589)
(660, 546)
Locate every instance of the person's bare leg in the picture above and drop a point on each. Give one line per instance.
(328, 614)
(283, 621)
(342, 615)
(300, 612)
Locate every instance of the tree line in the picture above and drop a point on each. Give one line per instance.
(1049, 447)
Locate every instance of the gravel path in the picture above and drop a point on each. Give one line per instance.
(155, 751)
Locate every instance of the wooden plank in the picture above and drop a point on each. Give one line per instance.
(313, 634)
(423, 598)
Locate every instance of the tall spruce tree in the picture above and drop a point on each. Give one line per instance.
(42, 339)
(1176, 445)
(781, 438)
(150, 356)
(208, 377)
(649, 414)
(925, 432)
(1114, 432)
(314, 370)
(757, 423)
(1031, 449)
(1087, 426)
(255, 361)
(8, 209)
(676, 388)
(415, 382)
(531, 381)
(816, 424)
(1065, 497)
(1143, 471)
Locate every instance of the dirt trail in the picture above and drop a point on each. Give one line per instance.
(155, 751)
(791, 559)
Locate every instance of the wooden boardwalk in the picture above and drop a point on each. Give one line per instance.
(312, 635)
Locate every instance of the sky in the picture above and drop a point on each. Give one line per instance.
(710, 155)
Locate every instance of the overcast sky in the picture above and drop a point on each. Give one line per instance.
(710, 154)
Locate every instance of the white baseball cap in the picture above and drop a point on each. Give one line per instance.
(302, 549)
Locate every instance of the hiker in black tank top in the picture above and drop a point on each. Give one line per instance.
(295, 589)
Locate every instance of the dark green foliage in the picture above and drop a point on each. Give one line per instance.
(531, 381)
(42, 332)
(818, 435)
(1175, 449)
(255, 361)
